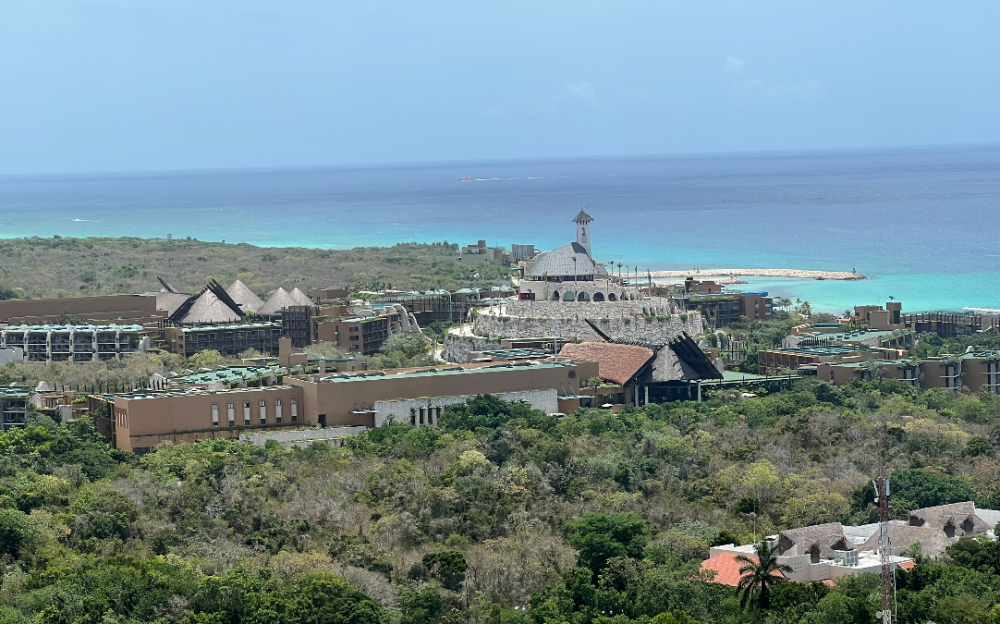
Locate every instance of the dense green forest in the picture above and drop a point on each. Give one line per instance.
(74, 267)
(502, 515)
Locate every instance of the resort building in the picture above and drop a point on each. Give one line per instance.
(229, 340)
(73, 343)
(646, 372)
(356, 335)
(974, 371)
(14, 402)
(214, 407)
(480, 253)
(121, 309)
(820, 553)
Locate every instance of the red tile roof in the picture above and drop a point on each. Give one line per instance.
(617, 363)
(907, 565)
(828, 582)
(727, 568)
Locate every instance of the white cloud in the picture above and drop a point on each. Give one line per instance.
(734, 63)
(738, 85)
(583, 91)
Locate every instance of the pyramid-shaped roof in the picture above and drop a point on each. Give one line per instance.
(583, 217)
(241, 294)
(279, 300)
(301, 297)
(208, 309)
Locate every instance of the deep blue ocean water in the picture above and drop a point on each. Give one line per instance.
(921, 223)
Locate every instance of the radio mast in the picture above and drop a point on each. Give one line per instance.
(885, 546)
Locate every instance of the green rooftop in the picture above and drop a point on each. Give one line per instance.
(227, 327)
(229, 375)
(437, 372)
(514, 353)
(66, 328)
(821, 350)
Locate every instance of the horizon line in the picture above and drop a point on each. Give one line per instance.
(503, 160)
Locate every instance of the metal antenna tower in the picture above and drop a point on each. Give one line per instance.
(884, 539)
(884, 546)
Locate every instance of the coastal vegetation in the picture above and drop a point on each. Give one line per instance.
(72, 267)
(501, 514)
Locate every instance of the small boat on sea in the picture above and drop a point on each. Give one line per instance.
(467, 179)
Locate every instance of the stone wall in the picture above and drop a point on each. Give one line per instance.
(589, 309)
(399, 410)
(457, 349)
(658, 329)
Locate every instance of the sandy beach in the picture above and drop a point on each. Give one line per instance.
(736, 273)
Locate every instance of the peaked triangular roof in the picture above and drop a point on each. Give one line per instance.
(583, 217)
(208, 309)
(241, 294)
(616, 363)
(279, 300)
(301, 297)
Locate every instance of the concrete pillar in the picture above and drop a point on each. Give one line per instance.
(322, 365)
(647, 396)
(699, 391)
(436, 411)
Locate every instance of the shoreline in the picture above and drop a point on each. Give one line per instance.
(737, 273)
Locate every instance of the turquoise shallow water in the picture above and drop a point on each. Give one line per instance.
(918, 292)
(920, 222)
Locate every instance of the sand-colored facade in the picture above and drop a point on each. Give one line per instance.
(139, 421)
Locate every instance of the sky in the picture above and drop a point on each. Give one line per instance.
(124, 85)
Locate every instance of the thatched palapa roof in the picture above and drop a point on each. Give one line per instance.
(278, 301)
(246, 298)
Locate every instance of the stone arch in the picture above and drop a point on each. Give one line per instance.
(569, 295)
(555, 296)
(612, 297)
(598, 297)
(583, 296)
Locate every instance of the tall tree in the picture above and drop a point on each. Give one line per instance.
(758, 577)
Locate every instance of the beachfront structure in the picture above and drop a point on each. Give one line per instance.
(569, 273)
(480, 253)
(138, 421)
(73, 343)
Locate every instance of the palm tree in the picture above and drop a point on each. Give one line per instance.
(758, 576)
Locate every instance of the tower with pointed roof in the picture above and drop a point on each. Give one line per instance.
(582, 222)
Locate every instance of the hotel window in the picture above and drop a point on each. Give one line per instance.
(231, 413)
(246, 414)
(277, 411)
(215, 414)
(263, 412)
(294, 407)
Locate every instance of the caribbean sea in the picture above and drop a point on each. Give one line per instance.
(921, 223)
